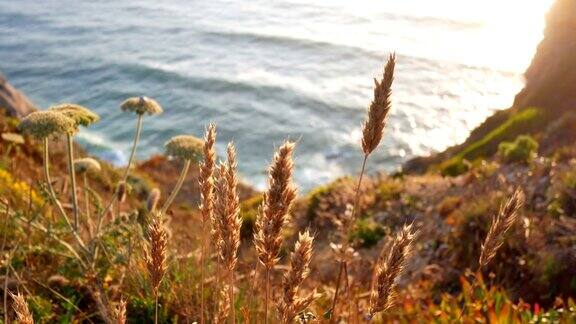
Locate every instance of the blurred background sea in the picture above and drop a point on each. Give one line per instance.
(268, 70)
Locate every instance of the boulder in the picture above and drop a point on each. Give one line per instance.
(13, 101)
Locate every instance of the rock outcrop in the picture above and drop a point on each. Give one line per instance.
(13, 101)
(551, 77)
(550, 85)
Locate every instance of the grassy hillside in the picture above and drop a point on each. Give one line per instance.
(530, 278)
(483, 232)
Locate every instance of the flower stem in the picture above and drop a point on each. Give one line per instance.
(89, 223)
(125, 175)
(72, 178)
(343, 264)
(86, 198)
(176, 187)
(133, 152)
(335, 300)
(55, 200)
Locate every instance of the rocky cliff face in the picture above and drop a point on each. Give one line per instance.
(550, 86)
(551, 78)
(15, 103)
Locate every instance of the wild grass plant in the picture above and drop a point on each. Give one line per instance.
(99, 244)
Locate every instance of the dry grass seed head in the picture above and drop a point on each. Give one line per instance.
(156, 251)
(142, 105)
(389, 269)
(299, 269)
(278, 200)
(503, 221)
(120, 312)
(223, 305)
(373, 128)
(153, 199)
(227, 211)
(206, 178)
(20, 306)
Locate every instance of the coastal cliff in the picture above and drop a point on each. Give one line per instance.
(550, 87)
(551, 77)
(15, 103)
(531, 276)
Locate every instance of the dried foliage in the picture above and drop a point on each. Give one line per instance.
(503, 221)
(388, 270)
(227, 211)
(275, 206)
(373, 128)
(291, 305)
(156, 251)
(153, 199)
(206, 178)
(21, 309)
(120, 312)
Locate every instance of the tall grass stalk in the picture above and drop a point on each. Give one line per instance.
(70, 151)
(21, 309)
(177, 187)
(137, 134)
(229, 222)
(139, 120)
(372, 133)
(388, 269)
(86, 198)
(55, 200)
(156, 256)
(276, 205)
(206, 184)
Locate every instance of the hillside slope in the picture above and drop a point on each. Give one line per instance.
(550, 86)
(534, 268)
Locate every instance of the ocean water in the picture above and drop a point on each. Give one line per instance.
(266, 71)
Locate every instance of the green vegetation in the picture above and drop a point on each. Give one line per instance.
(367, 232)
(390, 190)
(455, 167)
(562, 194)
(522, 150)
(525, 121)
(249, 211)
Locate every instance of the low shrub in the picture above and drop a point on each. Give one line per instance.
(367, 233)
(521, 150)
(249, 211)
(455, 167)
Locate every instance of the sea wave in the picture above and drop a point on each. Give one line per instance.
(259, 84)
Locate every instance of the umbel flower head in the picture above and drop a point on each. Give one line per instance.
(12, 138)
(86, 165)
(42, 124)
(185, 147)
(142, 105)
(81, 115)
